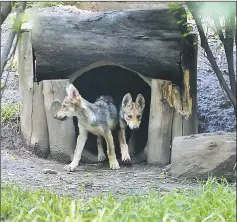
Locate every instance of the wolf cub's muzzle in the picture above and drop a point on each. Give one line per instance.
(55, 107)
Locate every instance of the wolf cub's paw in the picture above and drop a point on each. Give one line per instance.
(126, 157)
(70, 167)
(125, 154)
(114, 165)
(101, 157)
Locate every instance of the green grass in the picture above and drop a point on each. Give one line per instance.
(10, 113)
(212, 202)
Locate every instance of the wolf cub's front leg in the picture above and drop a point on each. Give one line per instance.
(111, 151)
(123, 145)
(81, 140)
(131, 144)
(101, 154)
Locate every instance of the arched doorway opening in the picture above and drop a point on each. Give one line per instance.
(115, 81)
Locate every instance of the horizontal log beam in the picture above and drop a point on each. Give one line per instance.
(145, 41)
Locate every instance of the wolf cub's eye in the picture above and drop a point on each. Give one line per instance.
(129, 116)
(139, 116)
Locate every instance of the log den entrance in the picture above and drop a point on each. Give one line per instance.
(115, 81)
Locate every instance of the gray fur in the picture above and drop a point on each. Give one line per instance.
(104, 110)
(121, 113)
(122, 121)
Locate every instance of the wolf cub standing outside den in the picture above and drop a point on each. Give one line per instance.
(130, 115)
(98, 118)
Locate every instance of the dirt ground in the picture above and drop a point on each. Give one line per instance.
(26, 169)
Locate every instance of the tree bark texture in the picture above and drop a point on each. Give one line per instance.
(62, 139)
(6, 8)
(160, 127)
(145, 41)
(33, 119)
(189, 91)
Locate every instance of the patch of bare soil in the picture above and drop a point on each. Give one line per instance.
(26, 169)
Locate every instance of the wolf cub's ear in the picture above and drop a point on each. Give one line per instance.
(72, 92)
(140, 101)
(127, 99)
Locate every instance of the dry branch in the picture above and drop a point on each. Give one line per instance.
(9, 57)
(229, 45)
(228, 41)
(10, 40)
(211, 59)
(5, 10)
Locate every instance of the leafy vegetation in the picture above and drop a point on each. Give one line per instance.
(44, 4)
(182, 16)
(212, 201)
(10, 113)
(41, 4)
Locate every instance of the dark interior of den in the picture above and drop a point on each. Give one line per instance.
(116, 82)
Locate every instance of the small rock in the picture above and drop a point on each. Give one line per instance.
(49, 171)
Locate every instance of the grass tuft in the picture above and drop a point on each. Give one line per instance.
(10, 113)
(213, 201)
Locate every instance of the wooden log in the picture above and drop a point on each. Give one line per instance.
(62, 138)
(33, 118)
(177, 125)
(189, 67)
(160, 126)
(143, 40)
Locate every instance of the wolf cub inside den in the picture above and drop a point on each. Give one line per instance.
(130, 115)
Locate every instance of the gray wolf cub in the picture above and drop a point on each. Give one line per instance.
(130, 115)
(98, 118)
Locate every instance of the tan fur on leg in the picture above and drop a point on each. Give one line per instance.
(81, 140)
(110, 151)
(123, 145)
(101, 154)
